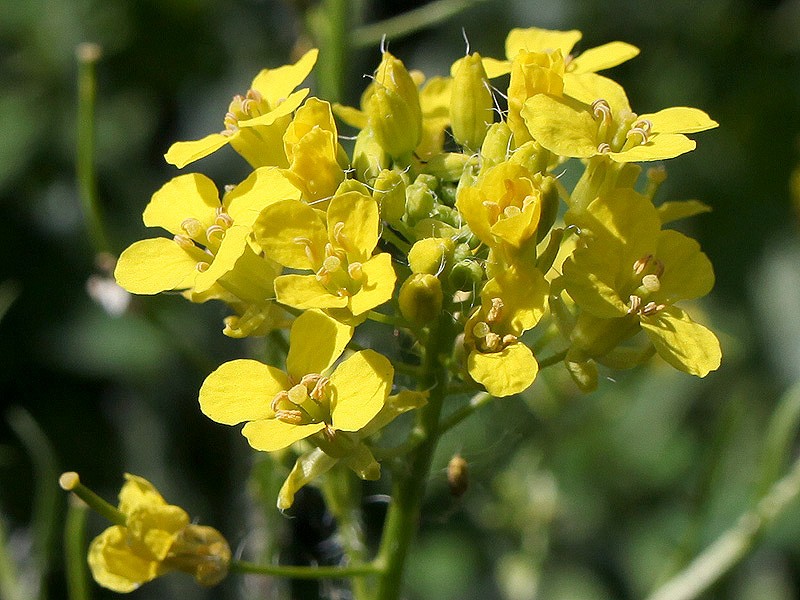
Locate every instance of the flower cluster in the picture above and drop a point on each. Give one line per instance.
(447, 217)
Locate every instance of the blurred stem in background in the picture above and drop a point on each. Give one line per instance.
(88, 54)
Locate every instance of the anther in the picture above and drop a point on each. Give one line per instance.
(292, 417)
(651, 308)
(495, 312)
(320, 389)
(202, 266)
(509, 339)
(184, 242)
(603, 148)
(635, 302)
(215, 233)
(641, 264)
(511, 211)
(276, 401)
(355, 271)
(633, 131)
(601, 110)
(224, 220)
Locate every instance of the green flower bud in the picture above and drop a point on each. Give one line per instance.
(393, 110)
(390, 193)
(466, 275)
(471, 103)
(421, 298)
(497, 144)
(369, 158)
(430, 255)
(447, 166)
(420, 200)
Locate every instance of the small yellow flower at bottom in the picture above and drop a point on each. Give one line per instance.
(156, 538)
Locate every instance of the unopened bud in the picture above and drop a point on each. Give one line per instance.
(390, 193)
(470, 103)
(466, 275)
(420, 200)
(430, 255)
(202, 552)
(421, 298)
(393, 110)
(458, 475)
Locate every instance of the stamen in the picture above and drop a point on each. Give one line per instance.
(280, 397)
(339, 236)
(307, 243)
(215, 233)
(641, 264)
(635, 302)
(329, 432)
(292, 417)
(603, 148)
(495, 312)
(509, 339)
(224, 220)
(355, 271)
(493, 209)
(511, 211)
(184, 242)
(652, 308)
(492, 343)
(601, 110)
(320, 389)
(633, 131)
(202, 266)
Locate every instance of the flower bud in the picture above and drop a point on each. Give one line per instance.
(420, 200)
(202, 552)
(369, 159)
(393, 110)
(497, 144)
(430, 255)
(470, 103)
(421, 298)
(466, 275)
(457, 475)
(390, 193)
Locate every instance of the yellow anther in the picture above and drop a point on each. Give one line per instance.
(509, 339)
(635, 303)
(224, 220)
(356, 271)
(495, 312)
(202, 266)
(603, 148)
(511, 211)
(601, 110)
(641, 264)
(493, 210)
(215, 233)
(280, 397)
(651, 308)
(292, 417)
(184, 242)
(492, 343)
(320, 389)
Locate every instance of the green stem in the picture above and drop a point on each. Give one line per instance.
(477, 401)
(294, 572)
(88, 55)
(408, 486)
(10, 586)
(733, 544)
(70, 482)
(75, 551)
(330, 25)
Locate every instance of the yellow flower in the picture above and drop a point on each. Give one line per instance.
(156, 538)
(511, 303)
(280, 408)
(609, 128)
(336, 245)
(212, 255)
(255, 123)
(629, 270)
(313, 150)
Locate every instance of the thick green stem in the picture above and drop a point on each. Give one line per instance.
(330, 24)
(316, 572)
(408, 486)
(75, 551)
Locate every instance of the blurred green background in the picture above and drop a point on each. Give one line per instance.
(580, 497)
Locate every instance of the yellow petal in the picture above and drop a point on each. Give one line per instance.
(306, 469)
(241, 390)
(286, 229)
(181, 154)
(356, 218)
(314, 168)
(115, 566)
(270, 434)
(315, 342)
(285, 108)
(660, 147)
(680, 119)
(688, 273)
(603, 57)
(156, 265)
(534, 39)
(351, 116)
(137, 492)
(275, 84)
(262, 187)
(378, 284)
(186, 196)
(681, 209)
(504, 373)
(590, 277)
(562, 128)
(360, 386)
(304, 291)
(684, 344)
(155, 528)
